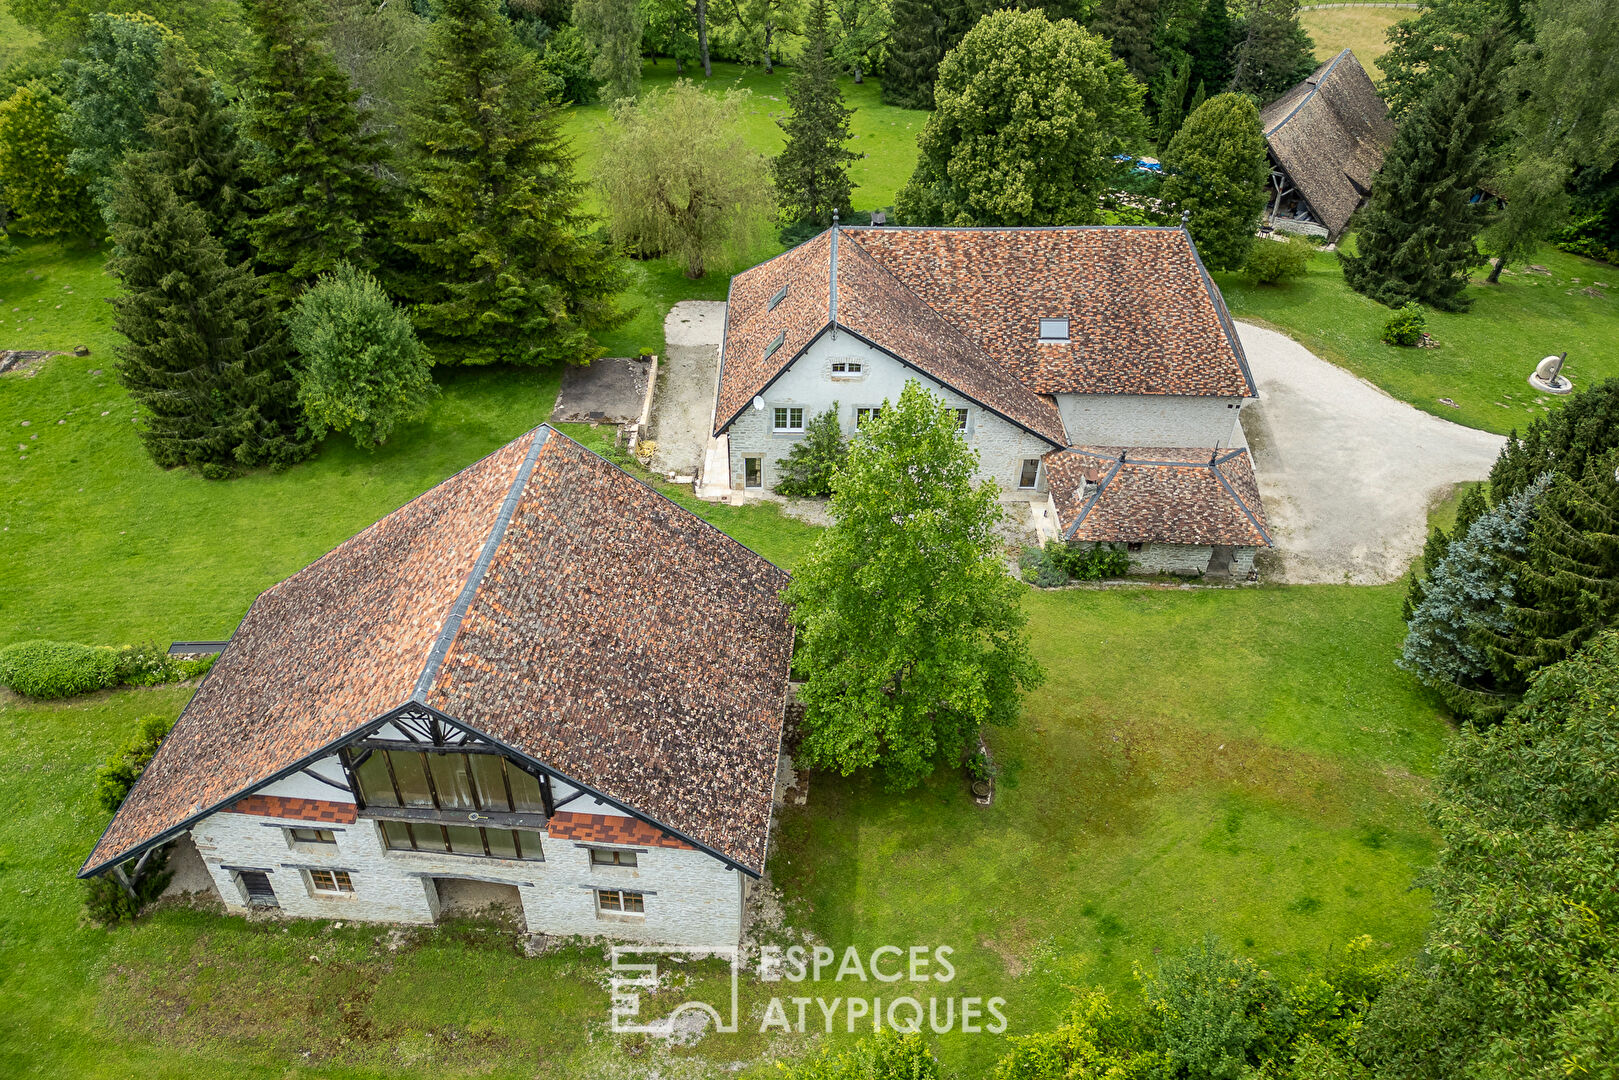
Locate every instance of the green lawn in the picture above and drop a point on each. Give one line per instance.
(1363, 29)
(1484, 356)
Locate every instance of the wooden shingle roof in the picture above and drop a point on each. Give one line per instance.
(542, 598)
(1329, 134)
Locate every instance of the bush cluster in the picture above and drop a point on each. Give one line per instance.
(1270, 262)
(1406, 326)
(106, 902)
(120, 771)
(56, 669)
(1057, 563)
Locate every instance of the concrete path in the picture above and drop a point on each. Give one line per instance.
(683, 404)
(1347, 473)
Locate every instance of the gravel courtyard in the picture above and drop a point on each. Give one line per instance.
(1347, 473)
(683, 404)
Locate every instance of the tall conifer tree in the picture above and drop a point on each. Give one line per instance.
(1416, 235)
(1271, 52)
(1131, 25)
(495, 220)
(916, 46)
(203, 354)
(1210, 46)
(321, 192)
(812, 171)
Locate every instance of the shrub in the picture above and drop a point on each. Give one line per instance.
(119, 772)
(1270, 262)
(1094, 563)
(1040, 567)
(567, 58)
(1405, 326)
(106, 902)
(813, 460)
(56, 669)
(883, 1056)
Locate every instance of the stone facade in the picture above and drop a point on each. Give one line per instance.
(1185, 560)
(811, 384)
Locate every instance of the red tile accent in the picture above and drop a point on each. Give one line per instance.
(605, 829)
(279, 806)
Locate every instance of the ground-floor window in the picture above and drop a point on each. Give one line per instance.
(620, 902)
(1133, 545)
(256, 884)
(864, 416)
(609, 857)
(331, 882)
(1030, 472)
(462, 840)
(753, 472)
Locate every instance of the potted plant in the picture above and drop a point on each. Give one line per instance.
(981, 775)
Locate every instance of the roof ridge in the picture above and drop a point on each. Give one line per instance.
(1313, 81)
(832, 281)
(486, 555)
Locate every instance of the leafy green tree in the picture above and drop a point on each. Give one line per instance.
(812, 462)
(44, 197)
(1517, 965)
(1464, 601)
(1029, 116)
(568, 59)
(320, 198)
(1271, 51)
(111, 88)
(120, 771)
(762, 24)
(1413, 64)
(1416, 234)
(213, 29)
(1131, 27)
(910, 629)
(676, 176)
(513, 274)
(812, 170)
(1095, 1039)
(203, 355)
(380, 48)
(363, 371)
(885, 1055)
(614, 29)
(1210, 45)
(863, 27)
(193, 143)
(1169, 98)
(1565, 440)
(671, 30)
(1216, 170)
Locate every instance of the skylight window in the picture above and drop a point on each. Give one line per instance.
(775, 343)
(781, 294)
(1053, 329)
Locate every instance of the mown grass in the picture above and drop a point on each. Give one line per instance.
(1363, 29)
(1484, 356)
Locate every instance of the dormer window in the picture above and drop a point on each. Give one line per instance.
(775, 343)
(781, 294)
(1053, 329)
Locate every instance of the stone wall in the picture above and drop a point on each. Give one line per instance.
(690, 897)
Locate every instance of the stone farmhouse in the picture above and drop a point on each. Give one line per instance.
(1327, 137)
(540, 683)
(1064, 352)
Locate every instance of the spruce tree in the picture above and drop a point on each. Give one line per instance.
(1416, 234)
(915, 47)
(203, 354)
(321, 194)
(1216, 170)
(1585, 426)
(1210, 46)
(812, 171)
(1472, 507)
(495, 216)
(1271, 51)
(1131, 25)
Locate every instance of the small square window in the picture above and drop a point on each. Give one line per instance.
(789, 419)
(1133, 546)
(334, 882)
(961, 419)
(753, 472)
(609, 857)
(312, 836)
(1030, 472)
(862, 417)
(1053, 329)
(620, 902)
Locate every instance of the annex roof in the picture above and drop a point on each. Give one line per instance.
(543, 598)
(1171, 495)
(1329, 134)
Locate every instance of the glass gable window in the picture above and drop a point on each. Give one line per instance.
(462, 840)
(414, 779)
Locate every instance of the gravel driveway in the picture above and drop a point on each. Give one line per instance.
(683, 404)
(1347, 472)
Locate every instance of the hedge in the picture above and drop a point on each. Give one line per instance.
(56, 669)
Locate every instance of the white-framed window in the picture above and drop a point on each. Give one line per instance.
(311, 836)
(1030, 473)
(864, 416)
(1053, 329)
(848, 369)
(620, 902)
(961, 419)
(611, 857)
(788, 418)
(330, 882)
(753, 472)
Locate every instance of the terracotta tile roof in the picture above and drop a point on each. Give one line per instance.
(543, 597)
(281, 806)
(1144, 318)
(1329, 134)
(607, 829)
(1171, 495)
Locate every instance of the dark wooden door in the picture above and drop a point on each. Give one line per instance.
(259, 891)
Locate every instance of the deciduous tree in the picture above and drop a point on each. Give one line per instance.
(1029, 116)
(1216, 171)
(614, 29)
(677, 177)
(44, 197)
(812, 462)
(909, 626)
(863, 27)
(812, 170)
(512, 273)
